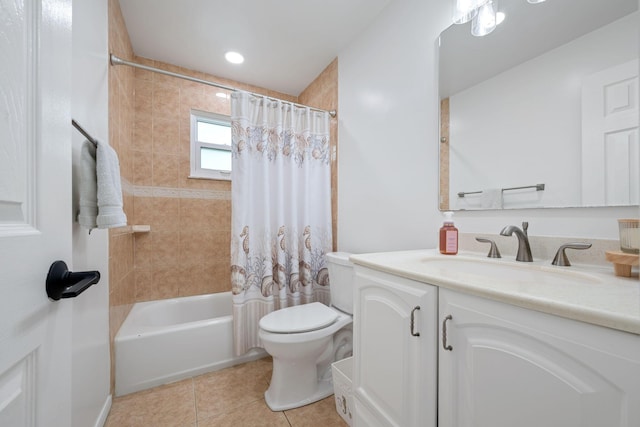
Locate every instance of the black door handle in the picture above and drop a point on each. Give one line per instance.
(62, 283)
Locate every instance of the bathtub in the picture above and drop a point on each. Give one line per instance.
(169, 340)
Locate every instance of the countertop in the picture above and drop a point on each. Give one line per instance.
(590, 294)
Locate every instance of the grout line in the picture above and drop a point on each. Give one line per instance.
(195, 403)
(287, 418)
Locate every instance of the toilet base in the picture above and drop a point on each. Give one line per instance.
(325, 389)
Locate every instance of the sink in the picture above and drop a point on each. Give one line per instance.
(486, 269)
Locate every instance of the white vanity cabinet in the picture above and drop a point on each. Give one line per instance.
(508, 366)
(395, 351)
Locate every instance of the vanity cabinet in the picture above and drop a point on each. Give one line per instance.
(395, 351)
(504, 366)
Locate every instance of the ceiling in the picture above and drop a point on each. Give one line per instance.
(286, 43)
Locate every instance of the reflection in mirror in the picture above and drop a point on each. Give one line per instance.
(549, 97)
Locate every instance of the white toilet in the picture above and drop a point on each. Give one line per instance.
(304, 340)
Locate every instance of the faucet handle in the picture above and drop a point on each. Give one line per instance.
(561, 258)
(525, 227)
(493, 251)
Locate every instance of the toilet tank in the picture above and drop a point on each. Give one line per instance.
(341, 279)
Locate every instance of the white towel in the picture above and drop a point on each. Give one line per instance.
(88, 186)
(491, 198)
(100, 188)
(110, 213)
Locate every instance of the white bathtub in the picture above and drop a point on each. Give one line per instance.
(168, 340)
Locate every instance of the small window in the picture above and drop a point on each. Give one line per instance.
(210, 145)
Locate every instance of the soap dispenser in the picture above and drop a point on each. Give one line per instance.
(448, 236)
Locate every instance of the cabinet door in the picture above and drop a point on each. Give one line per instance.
(395, 365)
(509, 366)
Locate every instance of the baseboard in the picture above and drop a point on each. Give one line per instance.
(104, 413)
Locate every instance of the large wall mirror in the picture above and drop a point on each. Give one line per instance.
(543, 111)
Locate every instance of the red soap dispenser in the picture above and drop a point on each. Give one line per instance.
(448, 236)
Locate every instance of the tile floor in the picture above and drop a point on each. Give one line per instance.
(229, 397)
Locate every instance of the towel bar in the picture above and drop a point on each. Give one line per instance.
(84, 132)
(538, 187)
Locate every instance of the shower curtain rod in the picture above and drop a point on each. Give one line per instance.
(119, 61)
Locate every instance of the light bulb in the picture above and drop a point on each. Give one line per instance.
(485, 21)
(234, 57)
(465, 10)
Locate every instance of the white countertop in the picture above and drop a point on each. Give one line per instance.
(585, 293)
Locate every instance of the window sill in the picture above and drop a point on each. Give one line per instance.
(221, 177)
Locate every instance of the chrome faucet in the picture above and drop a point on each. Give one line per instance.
(524, 250)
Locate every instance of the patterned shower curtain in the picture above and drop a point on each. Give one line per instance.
(281, 210)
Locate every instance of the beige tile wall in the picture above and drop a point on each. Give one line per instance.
(121, 113)
(187, 251)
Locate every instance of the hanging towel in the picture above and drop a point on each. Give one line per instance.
(100, 189)
(88, 186)
(110, 213)
(491, 198)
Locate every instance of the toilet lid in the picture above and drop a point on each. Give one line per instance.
(299, 318)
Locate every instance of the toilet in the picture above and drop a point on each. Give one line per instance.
(304, 340)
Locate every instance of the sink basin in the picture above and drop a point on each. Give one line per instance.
(460, 267)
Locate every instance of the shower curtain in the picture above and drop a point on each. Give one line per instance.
(281, 210)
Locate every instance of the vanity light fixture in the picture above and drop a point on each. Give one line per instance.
(483, 14)
(465, 10)
(234, 57)
(485, 20)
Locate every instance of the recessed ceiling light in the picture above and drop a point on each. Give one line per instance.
(234, 57)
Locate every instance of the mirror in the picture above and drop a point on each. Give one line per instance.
(543, 111)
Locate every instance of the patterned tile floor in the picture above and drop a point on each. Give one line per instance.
(229, 397)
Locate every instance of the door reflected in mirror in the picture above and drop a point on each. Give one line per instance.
(543, 111)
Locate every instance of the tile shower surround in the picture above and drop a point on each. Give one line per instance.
(187, 251)
(121, 113)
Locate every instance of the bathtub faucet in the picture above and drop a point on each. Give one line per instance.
(524, 250)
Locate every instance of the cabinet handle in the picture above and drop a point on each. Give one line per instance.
(444, 333)
(415, 334)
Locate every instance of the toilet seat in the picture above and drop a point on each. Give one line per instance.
(298, 319)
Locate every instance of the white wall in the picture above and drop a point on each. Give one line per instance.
(388, 150)
(89, 106)
(388, 121)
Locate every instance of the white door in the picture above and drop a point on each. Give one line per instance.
(610, 170)
(35, 211)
